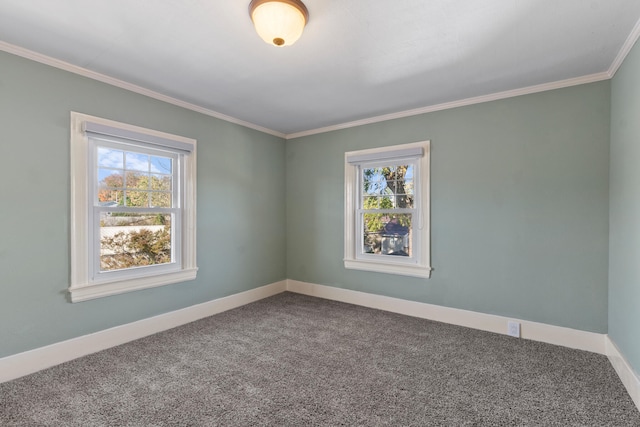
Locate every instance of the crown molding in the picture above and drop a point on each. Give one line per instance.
(624, 50)
(461, 103)
(47, 60)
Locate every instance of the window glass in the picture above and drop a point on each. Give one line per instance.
(133, 208)
(387, 210)
(134, 240)
(142, 181)
(386, 194)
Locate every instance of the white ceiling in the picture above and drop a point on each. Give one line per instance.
(356, 59)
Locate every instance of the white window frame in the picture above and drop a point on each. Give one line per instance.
(417, 265)
(86, 282)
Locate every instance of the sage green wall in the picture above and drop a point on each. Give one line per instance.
(519, 206)
(519, 211)
(624, 214)
(240, 200)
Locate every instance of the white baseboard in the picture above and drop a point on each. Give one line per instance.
(557, 335)
(28, 362)
(628, 376)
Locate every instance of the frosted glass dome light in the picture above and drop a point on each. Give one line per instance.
(279, 22)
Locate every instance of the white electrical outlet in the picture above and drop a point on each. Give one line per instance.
(513, 329)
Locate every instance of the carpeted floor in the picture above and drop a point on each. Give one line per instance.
(292, 360)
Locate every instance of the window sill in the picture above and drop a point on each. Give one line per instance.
(91, 291)
(378, 267)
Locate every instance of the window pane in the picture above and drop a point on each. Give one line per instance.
(373, 181)
(137, 199)
(110, 178)
(387, 234)
(134, 240)
(137, 161)
(408, 186)
(372, 174)
(371, 202)
(161, 165)
(161, 182)
(160, 200)
(377, 202)
(109, 197)
(380, 202)
(404, 201)
(110, 158)
(137, 180)
(392, 181)
(409, 173)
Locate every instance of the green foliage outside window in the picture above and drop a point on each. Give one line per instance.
(136, 249)
(142, 190)
(386, 188)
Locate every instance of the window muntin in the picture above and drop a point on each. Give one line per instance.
(387, 210)
(136, 209)
(130, 178)
(142, 181)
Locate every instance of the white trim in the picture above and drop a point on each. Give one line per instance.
(82, 286)
(28, 362)
(62, 65)
(404, 269)
(624, 51)
(419, 264)
(628, 376)
(85, 292)
(460, 103)
(558, 335)
(31, 361)
(591, 78)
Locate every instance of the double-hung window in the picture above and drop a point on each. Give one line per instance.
(133, 208)
(387, 209)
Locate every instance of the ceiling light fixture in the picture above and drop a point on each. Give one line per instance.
(279, 22)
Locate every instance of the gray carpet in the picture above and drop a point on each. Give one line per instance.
(293, 360)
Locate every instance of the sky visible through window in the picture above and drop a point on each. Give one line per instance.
(386, 188)
(387, 182)
(138, 180)
(115, 159)
(133, 179)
